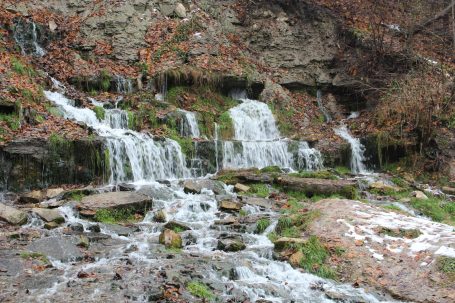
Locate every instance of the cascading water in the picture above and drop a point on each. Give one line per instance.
(309, 158)
(133, 156)
(357, 150)
(26, 36)
(124, 85)
(189, 126)
(257, 141)
(322, 108)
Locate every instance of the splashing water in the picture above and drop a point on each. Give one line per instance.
(189, 126)
(257, 140)
(357, 150)
(133, 156)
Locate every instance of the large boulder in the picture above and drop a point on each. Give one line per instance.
(196, 186)
(116, 200)
(49, 215)
(12, 215)
(170, 239)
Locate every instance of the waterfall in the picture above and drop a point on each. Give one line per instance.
(124, 86)
(322, 108)
(257, 141)
(357, 150)
(133, 156)
(26, 36)
(309, 158)
(189, 126)
(215, 139)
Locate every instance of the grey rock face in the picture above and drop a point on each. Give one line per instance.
(59, 247)
(116, 200)
(12, 215)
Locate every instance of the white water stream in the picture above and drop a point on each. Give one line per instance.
(357, 150)
(189, 126)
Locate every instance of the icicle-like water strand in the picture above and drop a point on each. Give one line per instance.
(133, 156)
(357, 150)
(189, 126)
(26, 36)
(124, 85)
(309, 158)
(257, 139)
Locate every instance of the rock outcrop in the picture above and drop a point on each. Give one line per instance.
(116, 200)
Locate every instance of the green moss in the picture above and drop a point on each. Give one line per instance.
(200, 290)
(323, 174)
(132, 122)
(22, 69)
(446, 265)
(99, 112)
(261, 225)
(242, 213)
(271, 169)
(259, 190)
(342, 170)
(226, 126)
(115, 215)
(314, 258)
(437, 209)
(12, 120)
(35, 256)
(77, 196)
(186, 144)
(105, 80)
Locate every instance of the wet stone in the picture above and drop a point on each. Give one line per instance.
(63, 248)
(126, 187)
(174, 225)
(49, 215)
(95, 228)
(121, 230)
(170, 239)
(76, 227)
(230, 206)
(12, 215)
(196, 186)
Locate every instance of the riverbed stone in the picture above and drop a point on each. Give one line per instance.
(63, 248)
(160, 216)
(54, 192)
(180, 10)
(448, 190)
(231, 245)
(170, 239)
(116, 200)
(241, 188)
(196, 186)
(175, 225)
(419, 195)
(286, 241)
(12, 215)
(49, 215)
(255, 201)
(121, 230)
(230, 206)
(295, 258)
(33, 197)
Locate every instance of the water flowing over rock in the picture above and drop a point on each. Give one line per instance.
(12, 215)
(189, 126)
(322, 108)
(357, 150)
(133, 156)
(260, 143)
(309, 158)
(28, 38)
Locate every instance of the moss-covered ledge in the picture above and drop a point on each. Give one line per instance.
(29, 163)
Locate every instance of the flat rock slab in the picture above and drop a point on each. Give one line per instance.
(121, 230)
(261, 202)
(12, 215)
(61, 248)
(49, 215)
(317, 186)
(116, 200)
(404, 251)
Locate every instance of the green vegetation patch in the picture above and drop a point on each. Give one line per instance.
(21, 68)
(271, 169)
(113, 216)
(322, 174)
(99, 112)
(314, 258)
(437, 209)
(401, 233)
(226, 126)
(259, 189)
(200, 290)
(262, 224)
(12, 120)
